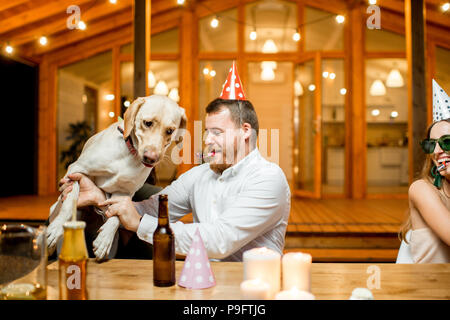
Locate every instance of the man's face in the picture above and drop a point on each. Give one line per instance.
(221, 140)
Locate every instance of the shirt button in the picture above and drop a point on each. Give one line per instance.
(220, 179)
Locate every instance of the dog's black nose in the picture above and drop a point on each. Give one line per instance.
(149, 160)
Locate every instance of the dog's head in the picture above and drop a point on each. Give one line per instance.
(155, 122)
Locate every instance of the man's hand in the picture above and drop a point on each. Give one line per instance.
(89, 195)
(123, 208)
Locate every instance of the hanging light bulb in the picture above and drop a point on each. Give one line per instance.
(161, 88)
(212, 73)
(296, 36)
(377, 88)
(205, 71)
(267, 74)
(311, 87)
(298, 88)
(394, 114)
(113, 1)
(343, 91)
(109, 97)
(325, 74)
(394, 79)
(151, 79)
(445, 6)
(111, 114)
(372, 2)
(332, 75)
(253, 35)
(214, 22)
(375, 112)
(173, 94)
(126, 103)
(180, 2)
(269, 47)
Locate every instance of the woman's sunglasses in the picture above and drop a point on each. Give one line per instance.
(428, 145)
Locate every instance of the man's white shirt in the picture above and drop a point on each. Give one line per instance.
(246, 207)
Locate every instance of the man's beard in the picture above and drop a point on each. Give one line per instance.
(223, 164)
(219, 168)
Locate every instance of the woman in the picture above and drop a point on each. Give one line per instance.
(429, 200)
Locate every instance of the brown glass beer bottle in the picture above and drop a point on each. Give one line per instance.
(73, 262)
(163, 248)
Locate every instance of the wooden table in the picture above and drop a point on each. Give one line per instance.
(133, 279)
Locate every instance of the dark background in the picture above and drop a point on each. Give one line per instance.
(18, 153)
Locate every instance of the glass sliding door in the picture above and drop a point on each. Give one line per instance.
(307, 130)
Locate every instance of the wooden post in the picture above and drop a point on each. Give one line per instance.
(188, 77)
(417, 98)
(142, 23)
(358, 106)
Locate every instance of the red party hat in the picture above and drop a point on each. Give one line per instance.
(197, 273)
(232, 88)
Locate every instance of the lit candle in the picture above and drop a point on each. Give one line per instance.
(263, 264)
(297, 271)
(255, 289)
(294, 294)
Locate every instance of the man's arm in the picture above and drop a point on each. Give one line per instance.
(258, 208)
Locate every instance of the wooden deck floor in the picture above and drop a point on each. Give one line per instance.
(331, 230)
(346, 215)
(307, 216)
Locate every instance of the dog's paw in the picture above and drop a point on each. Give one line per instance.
(54, 233)
(103, 243)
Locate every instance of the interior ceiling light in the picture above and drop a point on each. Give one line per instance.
(394, 79)
(269, 47)
(377, 88)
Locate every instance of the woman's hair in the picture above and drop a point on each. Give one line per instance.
(424, 175)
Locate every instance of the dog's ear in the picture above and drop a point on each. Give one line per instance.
(181, 129)
(130, 115)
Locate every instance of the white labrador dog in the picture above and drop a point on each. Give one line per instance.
(119, 159)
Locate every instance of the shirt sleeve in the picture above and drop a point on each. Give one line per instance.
(264, 201)
(178, 193)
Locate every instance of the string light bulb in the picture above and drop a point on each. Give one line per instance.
(214, 22)
(253, 35)
(296, 36)
(43, 40)
(9, 49)
(81, 25)
(340, 19)
(180, 2)
(445, 6)
(113, 1)
(372, 2)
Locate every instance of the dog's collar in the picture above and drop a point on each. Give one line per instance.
(129, 143)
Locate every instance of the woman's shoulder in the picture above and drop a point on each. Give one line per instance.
(422, 187)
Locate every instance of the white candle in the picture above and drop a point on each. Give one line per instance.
(297, 271)
(294, 294)
(255, 289)
(263, 264)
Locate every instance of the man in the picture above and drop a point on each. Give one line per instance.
(238, 200)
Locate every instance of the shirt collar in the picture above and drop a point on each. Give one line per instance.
(235, 169)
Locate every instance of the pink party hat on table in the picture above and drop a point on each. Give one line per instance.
(197, 273)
